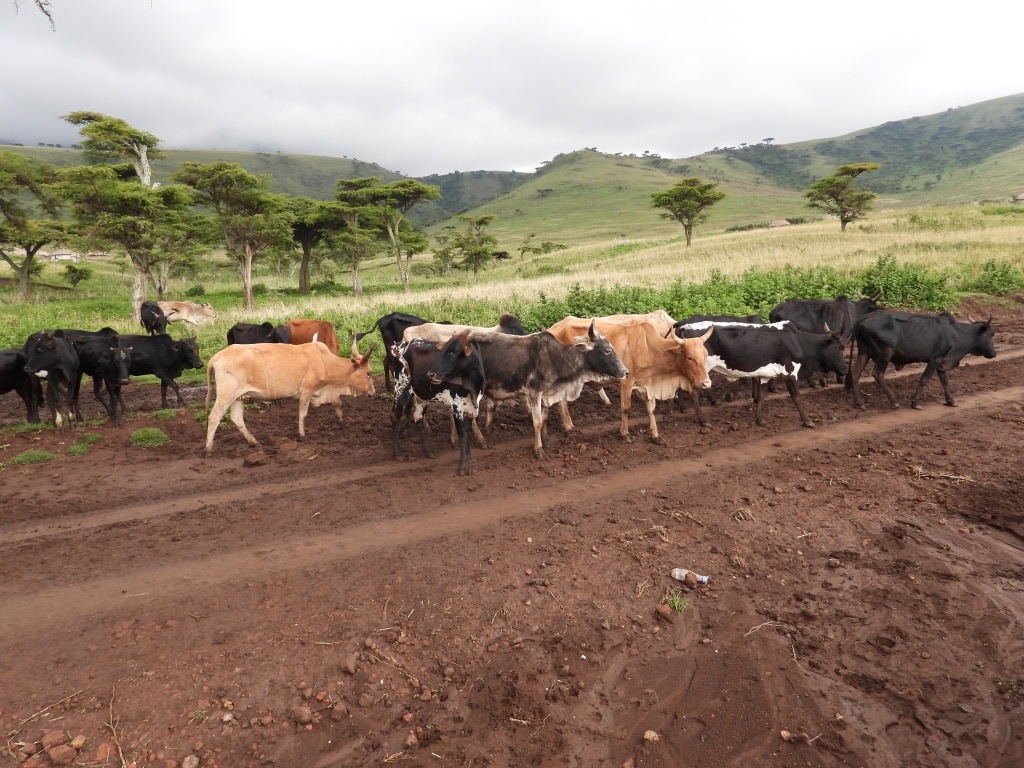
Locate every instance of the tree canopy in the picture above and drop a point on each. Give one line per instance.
(687, 202)
(838, 195)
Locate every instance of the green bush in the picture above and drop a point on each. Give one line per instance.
(195, 291)
(998, 278)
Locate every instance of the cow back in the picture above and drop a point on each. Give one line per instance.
(303, 331)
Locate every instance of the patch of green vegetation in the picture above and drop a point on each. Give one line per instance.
(32, 457)
(149, 437)
(674, 599)
(82, 443)
(166, 414)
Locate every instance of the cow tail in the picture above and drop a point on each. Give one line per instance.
(849, 366)
(209, 385)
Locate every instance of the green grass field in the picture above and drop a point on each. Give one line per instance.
(948, 250)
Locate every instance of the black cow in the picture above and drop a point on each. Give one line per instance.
(415, 386)
(49, 355)
(109, 365)
(163, 357)
(899, 338)
(826, 315)
(152, 318)
(13, 378)
(264, 333)
(391, 327)
(764, 353)
(538, 367)
(745, 319)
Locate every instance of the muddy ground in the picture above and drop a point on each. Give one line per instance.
(318, 604)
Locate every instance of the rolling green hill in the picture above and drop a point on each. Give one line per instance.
(972, 153)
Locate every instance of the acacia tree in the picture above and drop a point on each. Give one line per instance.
(393, 201)
(109, 138)
(687, 202)
(27, 189)
(472, 248)
(252, 220)
(112, 213)
(838, 196)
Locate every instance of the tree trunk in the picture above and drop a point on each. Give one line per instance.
(357, 281)
(688, 231)
(139, 280)
(246, 265)
(307, 253)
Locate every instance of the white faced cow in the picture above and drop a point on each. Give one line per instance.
(309, 372)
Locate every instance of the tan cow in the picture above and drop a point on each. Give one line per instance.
(309, 372)
(443, 331)
(304, 331)
(657, 366)
(187, 312)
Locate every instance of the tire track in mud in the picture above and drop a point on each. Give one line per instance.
(168, 581)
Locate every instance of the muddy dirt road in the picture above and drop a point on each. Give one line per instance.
(318, 604)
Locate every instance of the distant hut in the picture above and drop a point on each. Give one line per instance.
(1019, 198)
(779, 223)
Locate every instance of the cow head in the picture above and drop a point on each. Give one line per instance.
(601, 355)
(692, 359)
(458, 346)
(362, 374)
(189, 349)
(983, 344)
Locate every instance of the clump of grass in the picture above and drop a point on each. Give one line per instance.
(82, 443)
(33, 457)
(674, 599)
(149, 437)
(166, 413)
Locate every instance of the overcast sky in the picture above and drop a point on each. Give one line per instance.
(435, 87)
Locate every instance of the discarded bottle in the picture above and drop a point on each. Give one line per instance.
(679, 574)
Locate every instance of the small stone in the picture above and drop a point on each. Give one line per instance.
(302, 715)
(349, 667)
(62, 754)
(834, 562)
(651, 736)
(257, 459)
(53, 738)
(191, 761)
(78, 742)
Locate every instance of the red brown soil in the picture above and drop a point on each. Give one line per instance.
(323, 605)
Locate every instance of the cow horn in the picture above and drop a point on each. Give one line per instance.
(365, 358)
(592, 331)
(970, 318)
(355, 349)
(827, 329)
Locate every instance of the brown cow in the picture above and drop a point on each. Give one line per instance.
(304, 331)
(309, 372)
(657, 366)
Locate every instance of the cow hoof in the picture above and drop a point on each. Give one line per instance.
(918, 407)
(541, 455)
(657, 440)
(951, 404)
(809, 424)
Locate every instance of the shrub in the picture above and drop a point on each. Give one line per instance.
(195, 291)
(998, 278)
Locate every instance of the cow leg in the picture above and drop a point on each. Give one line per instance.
(537, 415)
(879, 376)
(74, 388)
(945, 389)
(399, 410)
(603, 395)
(478, 435)
(563, 411)
(420, 422)
(794, 392)
(462, 427)
(759, 387)
(625, 403)
(652, 423)
(97, 389)
(853, 380)
(695, 399)
(915, 401)
(303, 410)
(237, 414)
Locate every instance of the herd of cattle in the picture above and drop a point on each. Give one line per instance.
(469, 369)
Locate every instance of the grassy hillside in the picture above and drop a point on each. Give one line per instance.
(966, 154)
